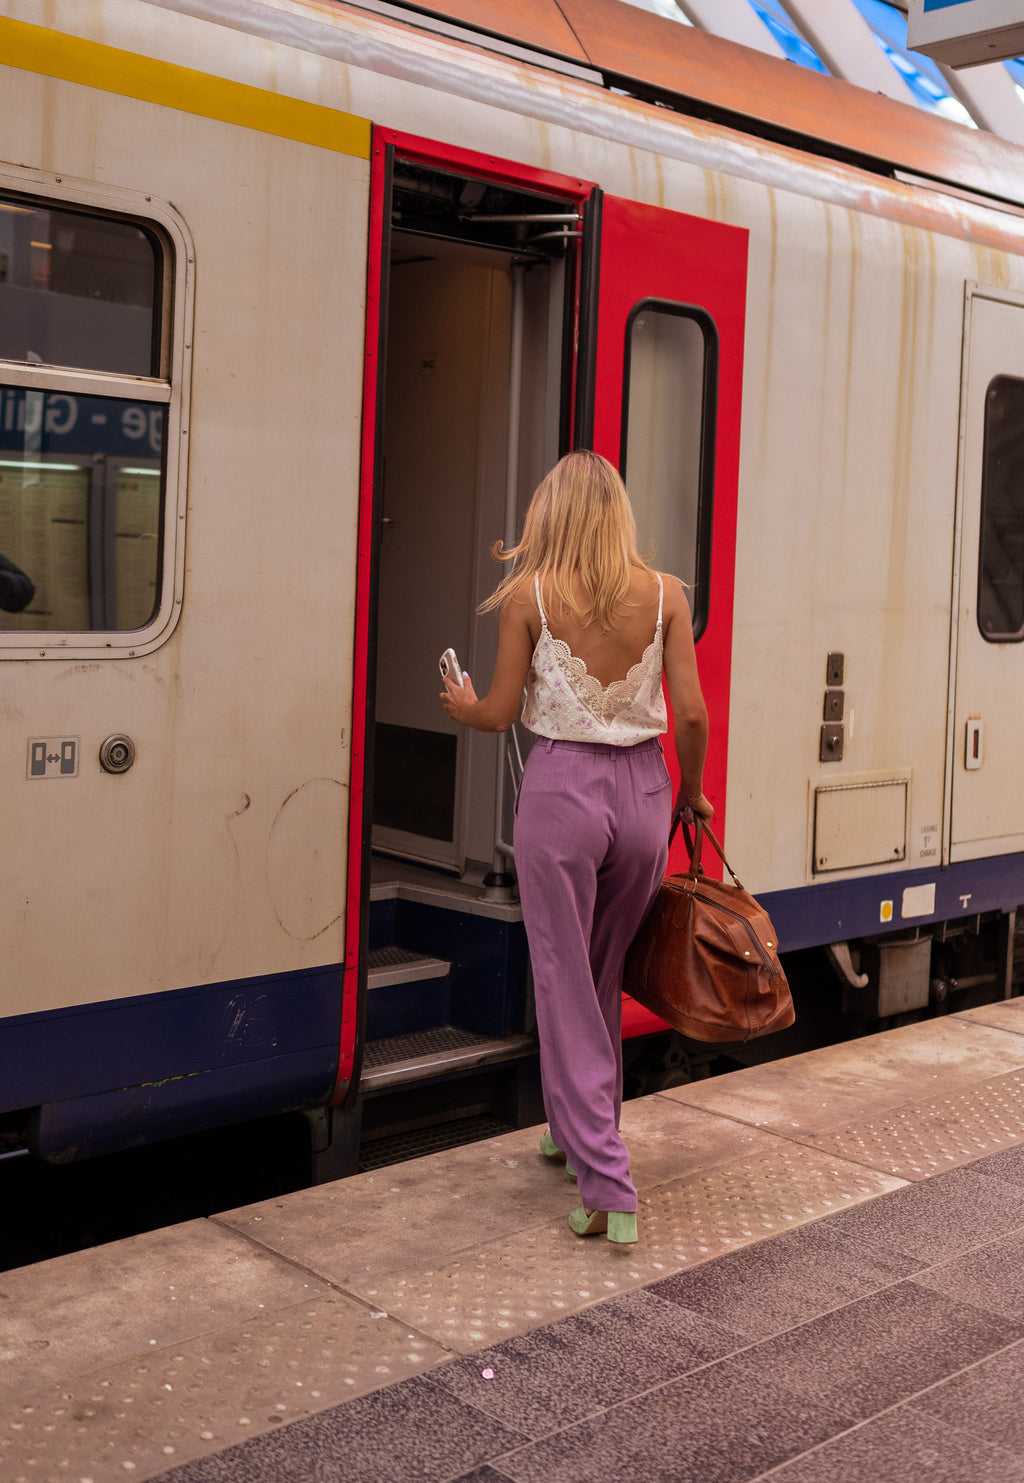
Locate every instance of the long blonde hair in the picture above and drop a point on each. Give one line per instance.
(580, 535)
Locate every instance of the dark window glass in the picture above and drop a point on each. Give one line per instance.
(668, 439)
(81, 499)
(77, 290)
(1001, 553)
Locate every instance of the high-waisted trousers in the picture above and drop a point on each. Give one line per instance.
(591, 844)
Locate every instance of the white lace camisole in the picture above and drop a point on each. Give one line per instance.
(567, 703)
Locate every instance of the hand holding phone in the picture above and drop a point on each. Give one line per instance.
(450, 667)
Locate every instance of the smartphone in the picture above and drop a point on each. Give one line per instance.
(450, 667)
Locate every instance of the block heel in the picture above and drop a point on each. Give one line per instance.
(620, 1225)
(550, 1149)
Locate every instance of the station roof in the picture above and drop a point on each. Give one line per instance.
(701, 73)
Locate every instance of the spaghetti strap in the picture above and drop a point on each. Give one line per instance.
(540, 605)
(661, 595)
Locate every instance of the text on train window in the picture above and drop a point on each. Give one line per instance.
(83, 420)
(77, 290)
(80, 511)
(668, 439)
(1001, 549)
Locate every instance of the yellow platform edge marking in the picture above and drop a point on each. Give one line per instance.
(71, 59)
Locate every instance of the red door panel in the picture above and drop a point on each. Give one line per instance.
(648, 252)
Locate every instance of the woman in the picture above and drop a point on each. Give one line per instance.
(589, 628)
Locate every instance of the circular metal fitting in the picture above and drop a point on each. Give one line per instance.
(117, 754)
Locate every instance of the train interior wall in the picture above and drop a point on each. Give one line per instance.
(446, 454)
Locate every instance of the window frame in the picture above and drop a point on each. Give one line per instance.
(172, 320)
(990, 638)
(708, 439)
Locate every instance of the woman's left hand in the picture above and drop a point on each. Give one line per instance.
(459, 699)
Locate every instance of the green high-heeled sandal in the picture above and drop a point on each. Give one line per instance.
(550, 1149)
(620, 1225)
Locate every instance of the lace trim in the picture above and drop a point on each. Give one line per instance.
(580, 677)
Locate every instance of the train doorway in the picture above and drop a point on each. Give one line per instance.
(480, 300)
(511, 315)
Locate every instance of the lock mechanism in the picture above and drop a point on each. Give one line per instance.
(831, 743)
(832, 733)
(117, 753)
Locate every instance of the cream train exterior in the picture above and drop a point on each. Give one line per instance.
(188, 940)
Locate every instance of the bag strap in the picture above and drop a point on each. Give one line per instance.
(695, 842)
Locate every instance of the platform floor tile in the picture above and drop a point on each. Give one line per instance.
(834, 1295)
(901, 1447)
(543, 1273)
(985, 1402)
(182, 1401)
(898, 1383)
(775, 1285)
(414, 1430)
(746, 1414)
(859, 1079)
(63, 1317)
(925, 1138)
(935, 1221)
(430, 1208)
(542, 1381)
(1005, 1014)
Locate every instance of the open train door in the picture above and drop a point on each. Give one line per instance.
(659, 393)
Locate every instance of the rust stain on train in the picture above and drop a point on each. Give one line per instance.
(853, 222)
(769, 322)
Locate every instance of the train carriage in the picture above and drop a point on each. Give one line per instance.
(298, 300)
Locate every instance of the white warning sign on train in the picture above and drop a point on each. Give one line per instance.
(966, 33)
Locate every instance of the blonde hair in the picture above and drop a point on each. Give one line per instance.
(579, 534)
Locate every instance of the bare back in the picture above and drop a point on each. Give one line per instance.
(608, 654)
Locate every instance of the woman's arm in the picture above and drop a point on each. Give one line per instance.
(689, 713)
(500, 706)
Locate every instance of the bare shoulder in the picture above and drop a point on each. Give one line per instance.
(676, 605)
(519, 597)
(519, 609)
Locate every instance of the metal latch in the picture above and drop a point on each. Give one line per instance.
(974, 748)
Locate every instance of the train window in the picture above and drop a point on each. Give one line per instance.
(668, 438)
(80, 510)
(77, 290)
(1001, 550)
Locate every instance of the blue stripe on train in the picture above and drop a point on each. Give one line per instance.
(838, 910)
(131, 1071)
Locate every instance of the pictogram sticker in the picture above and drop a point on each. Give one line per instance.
(53, 757)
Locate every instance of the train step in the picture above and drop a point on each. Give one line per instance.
(440, 1051)
(401, 965)
(406, 990)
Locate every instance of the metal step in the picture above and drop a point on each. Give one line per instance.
(439, 1052)
(401, 965)
(395, 1148)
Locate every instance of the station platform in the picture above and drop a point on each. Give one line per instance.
(829, 1284)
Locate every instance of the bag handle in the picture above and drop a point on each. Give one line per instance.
(695, 842)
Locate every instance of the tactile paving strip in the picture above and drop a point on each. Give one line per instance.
(138, 1419)
(546, 1273)
(918, 1141)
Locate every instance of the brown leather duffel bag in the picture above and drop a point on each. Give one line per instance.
(706, 957)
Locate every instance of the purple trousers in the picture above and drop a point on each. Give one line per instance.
(591, 844)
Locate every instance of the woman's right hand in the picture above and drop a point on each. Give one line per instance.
(702, 807)
(459, 700)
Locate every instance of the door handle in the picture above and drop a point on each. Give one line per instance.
(974, 747)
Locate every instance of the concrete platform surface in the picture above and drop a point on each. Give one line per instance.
(829, 1284)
